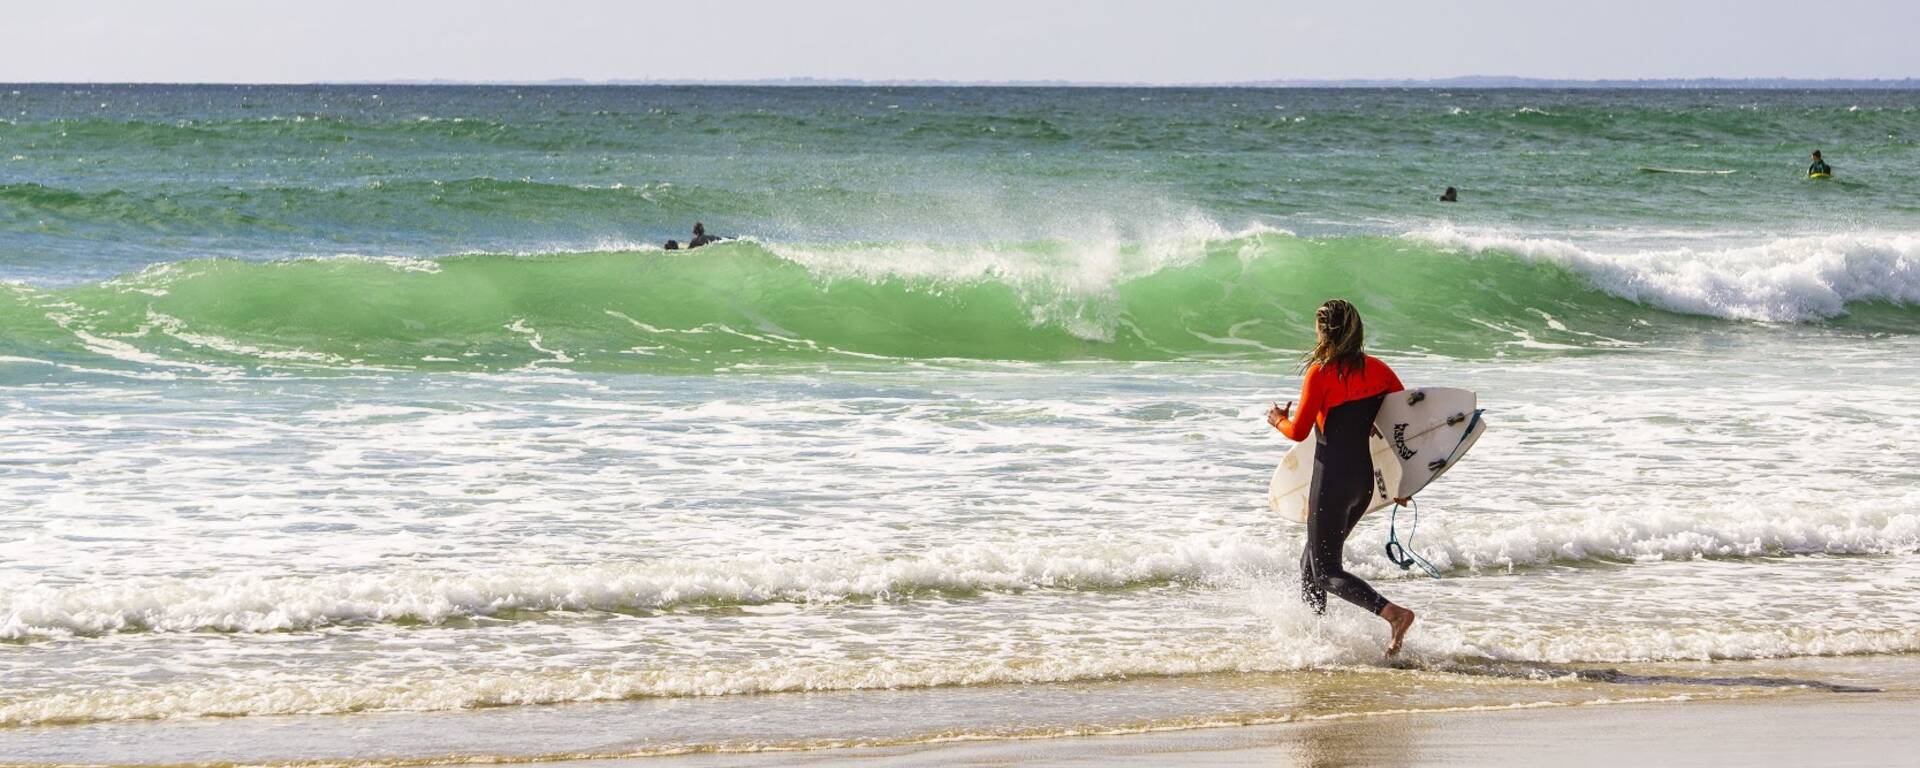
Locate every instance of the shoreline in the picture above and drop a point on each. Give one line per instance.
(1864, 729)
(1459, 714)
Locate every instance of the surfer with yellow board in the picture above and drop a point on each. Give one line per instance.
(1819, 169)
(1342, 392)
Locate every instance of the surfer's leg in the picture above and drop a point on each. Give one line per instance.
(1357, 510)
(1398, 619)
(1338, 507)
(1313, 591)
(1310, 591)
(1327, 528)
(1353, 589)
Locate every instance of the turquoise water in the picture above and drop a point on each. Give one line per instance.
(328, 402)
(414, 227)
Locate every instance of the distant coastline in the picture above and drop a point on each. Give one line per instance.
(1469, 82)
(1466, 82)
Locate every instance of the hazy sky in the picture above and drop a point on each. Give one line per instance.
(1122, 40)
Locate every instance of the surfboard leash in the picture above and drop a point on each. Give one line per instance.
(1402, 554)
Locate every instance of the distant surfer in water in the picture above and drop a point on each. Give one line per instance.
(1450, 196)
(700, 236)
(1343, 389)
(1819, 167)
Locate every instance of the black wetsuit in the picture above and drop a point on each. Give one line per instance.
(1342, 487)
(1819, 166)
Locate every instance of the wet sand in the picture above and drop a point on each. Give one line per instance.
(1798, 728)
(1837, 710)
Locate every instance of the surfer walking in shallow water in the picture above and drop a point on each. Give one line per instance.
(1341, 393)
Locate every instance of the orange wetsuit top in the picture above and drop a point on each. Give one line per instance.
(1325, 389)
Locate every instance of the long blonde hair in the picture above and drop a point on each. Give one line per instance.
(1339, 338)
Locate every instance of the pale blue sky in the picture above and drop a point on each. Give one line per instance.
(1123, 40)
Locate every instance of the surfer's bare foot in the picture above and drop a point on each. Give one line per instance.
(1401, 620)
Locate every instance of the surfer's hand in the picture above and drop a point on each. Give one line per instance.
(1277, 414)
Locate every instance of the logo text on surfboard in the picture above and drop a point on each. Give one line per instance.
(1400, 442)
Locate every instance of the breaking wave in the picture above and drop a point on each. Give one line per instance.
(1199, 293)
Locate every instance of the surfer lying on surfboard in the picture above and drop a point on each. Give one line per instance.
(1341, 393)
(1819, 169)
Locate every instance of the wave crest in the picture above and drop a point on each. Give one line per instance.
(1195, 291)
(1787, 280)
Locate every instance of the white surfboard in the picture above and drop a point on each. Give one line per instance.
(1423, 433)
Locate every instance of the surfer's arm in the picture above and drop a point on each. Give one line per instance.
(1299, 424)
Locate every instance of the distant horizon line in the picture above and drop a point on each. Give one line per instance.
(1465, 81)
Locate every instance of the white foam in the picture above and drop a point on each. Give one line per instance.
(1785, 280)
(1463, 544)
(277, 604)
(120, 350)
(1287, 638)
(553, 355)
(436, 692)
(177, 328)
(907, 527)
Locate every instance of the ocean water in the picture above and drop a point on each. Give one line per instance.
(372, 423)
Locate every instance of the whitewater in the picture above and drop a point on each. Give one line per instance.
(324, 414)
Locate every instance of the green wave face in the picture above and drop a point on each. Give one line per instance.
(740, 303)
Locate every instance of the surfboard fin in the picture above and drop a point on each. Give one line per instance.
(1415, 397)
